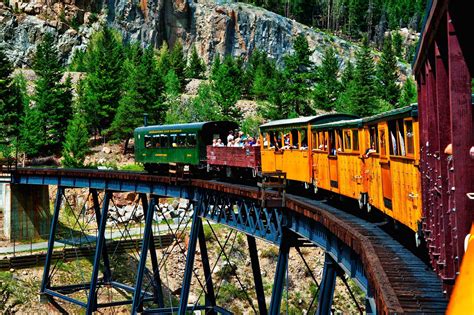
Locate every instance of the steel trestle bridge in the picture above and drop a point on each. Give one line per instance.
(393, 279)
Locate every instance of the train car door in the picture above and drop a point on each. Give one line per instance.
(385, 167)
(333, 174)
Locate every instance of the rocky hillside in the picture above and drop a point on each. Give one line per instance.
(233, 28)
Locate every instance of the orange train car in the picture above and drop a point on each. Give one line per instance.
(374, 160)
(286, 145)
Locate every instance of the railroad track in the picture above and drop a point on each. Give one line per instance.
(68, 254)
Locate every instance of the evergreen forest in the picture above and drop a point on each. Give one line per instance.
(122, 81)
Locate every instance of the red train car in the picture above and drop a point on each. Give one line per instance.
(245, 159)
(443, 67)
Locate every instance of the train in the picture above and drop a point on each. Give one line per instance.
(373, 160)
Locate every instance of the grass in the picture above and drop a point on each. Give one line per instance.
(271, 252)
(132, 167)
(15, 291)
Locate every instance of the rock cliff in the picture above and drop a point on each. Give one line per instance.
(232, 28)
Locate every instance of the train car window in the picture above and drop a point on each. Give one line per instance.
(340, 147)
(401, 138)
(294, 139)
(303, 139)
(274, 140)
(314, 140)
(173, 140)
(266, 143)
(355, 140)
(323, 142)
(181, 140)
(163, 141)
(332, 142)
(191, 140)
(148, 142)
(393, 143)
(347, 140)
(383, 141)
(409, 140)
(374, 139)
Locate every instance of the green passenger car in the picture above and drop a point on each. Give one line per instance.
(158, 145)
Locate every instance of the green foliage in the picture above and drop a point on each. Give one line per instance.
(250, 125)
(78, 62)
(270, 252)
(141, 91)
(53, 99)
(328, 87)
(226, 83)
(409, 94)
(196, 67)
(350, 17)
(397, 44)
(11, 105)
(178, 62)
(172, 84)
(103, 83)
(76, 143)
(361, 93)
(387, 74)
(132, 167)
(297, 78)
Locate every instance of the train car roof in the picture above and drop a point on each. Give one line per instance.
(300, 121)
(350, 123)
(407, 111)
(196, 126)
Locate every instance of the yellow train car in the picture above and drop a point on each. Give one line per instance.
(391, 172)
(374, 160)
(286, 145)
(336, 157)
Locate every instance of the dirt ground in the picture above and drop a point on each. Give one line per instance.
(232, 278)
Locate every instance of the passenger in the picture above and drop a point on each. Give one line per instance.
(257, 143)
(333, 151)
(230, 143)
(251, 141)
(230, 137)
(214, 142)
(219, 143)
(370, 150)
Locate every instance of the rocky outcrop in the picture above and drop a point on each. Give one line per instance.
(233, 28)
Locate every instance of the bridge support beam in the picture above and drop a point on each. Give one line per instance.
(46, 282)
(210, 296)
(257, 275)
(188, 273)
(137, 295)
(92, 300)
(105, 256)
(328, 283)
(280, 275)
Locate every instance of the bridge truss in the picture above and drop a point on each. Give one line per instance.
(346, 240)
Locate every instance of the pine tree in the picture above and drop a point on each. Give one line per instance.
(408, 95)
(398, 44)
(142, 91)
(226, 81)
(53, 99)
(297, 80)
(32, 132)
(11, 105)
(347, 75)
(387, 74)
(103, 84)
(178, 62)
(76, 143)
(163, 62)
(328, 87)
(362, 90)
(196, 67)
